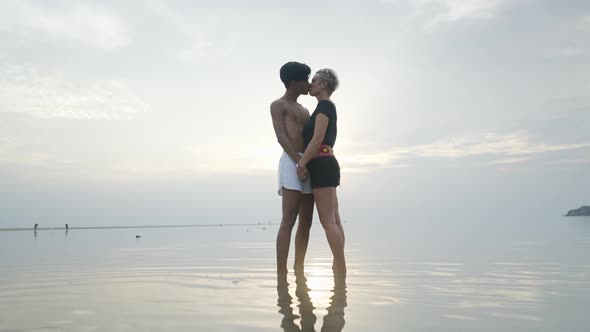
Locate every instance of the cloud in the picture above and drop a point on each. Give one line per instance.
(467, 9)
(88, 24)
(510, 145)
(499, 149)
(569, 39)
(210, 157)
(568, 52)
(514, 160)
(198, 42)
(43, 93)
(435, 12)
(222, 158)
(16, 154)
(34, 159)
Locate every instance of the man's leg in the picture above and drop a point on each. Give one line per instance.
(291, 199)
(302, 235)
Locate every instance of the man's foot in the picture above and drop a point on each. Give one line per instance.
(282, 279)
(300, 280)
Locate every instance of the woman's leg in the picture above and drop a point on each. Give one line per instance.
(325, 200)
(339, 223)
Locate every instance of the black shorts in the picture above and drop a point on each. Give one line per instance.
(324, 172)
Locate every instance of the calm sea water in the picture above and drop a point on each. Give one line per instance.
(532, 277)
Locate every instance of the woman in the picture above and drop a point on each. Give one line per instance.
(319, 135)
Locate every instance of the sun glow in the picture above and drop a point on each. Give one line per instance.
(320, 281)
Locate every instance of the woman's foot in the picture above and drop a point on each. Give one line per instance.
(339, 282)
(298, 271)
(338, 271)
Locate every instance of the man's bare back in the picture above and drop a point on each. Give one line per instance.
(294, 117)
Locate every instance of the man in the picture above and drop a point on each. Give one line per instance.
(288, 119)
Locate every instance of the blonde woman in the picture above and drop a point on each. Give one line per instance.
(318, 161)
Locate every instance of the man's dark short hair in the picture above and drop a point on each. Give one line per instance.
(294, 71)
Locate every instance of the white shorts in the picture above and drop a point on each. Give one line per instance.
(288, 176)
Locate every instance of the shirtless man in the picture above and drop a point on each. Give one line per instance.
(288, 119)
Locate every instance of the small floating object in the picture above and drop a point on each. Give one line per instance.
(137, 236)
(263, 227)
(235, 282)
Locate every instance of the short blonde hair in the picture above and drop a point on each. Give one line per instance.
(329, 75)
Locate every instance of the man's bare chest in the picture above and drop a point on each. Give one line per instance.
(297, 115)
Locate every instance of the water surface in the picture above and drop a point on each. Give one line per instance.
(495, 278)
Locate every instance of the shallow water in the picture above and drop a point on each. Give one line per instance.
(524, 278)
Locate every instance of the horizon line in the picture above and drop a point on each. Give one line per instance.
(129, 226)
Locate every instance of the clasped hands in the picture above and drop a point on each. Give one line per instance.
(302, 172)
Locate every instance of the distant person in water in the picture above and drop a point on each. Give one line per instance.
(36, 225)
(319, 163)
(288, 119)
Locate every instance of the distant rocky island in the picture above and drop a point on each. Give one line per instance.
(583, 211)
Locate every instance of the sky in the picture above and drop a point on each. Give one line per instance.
(157, 112)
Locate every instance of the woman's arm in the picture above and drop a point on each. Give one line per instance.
(321, 125)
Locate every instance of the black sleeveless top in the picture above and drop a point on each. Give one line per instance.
(327, 108)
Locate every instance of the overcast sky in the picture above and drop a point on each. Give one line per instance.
(157, 112)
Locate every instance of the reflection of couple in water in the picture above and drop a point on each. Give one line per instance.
(333, 321)
(308, 170)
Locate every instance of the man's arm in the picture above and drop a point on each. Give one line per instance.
(277, 112)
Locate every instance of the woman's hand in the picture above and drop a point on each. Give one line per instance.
(302, 172)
